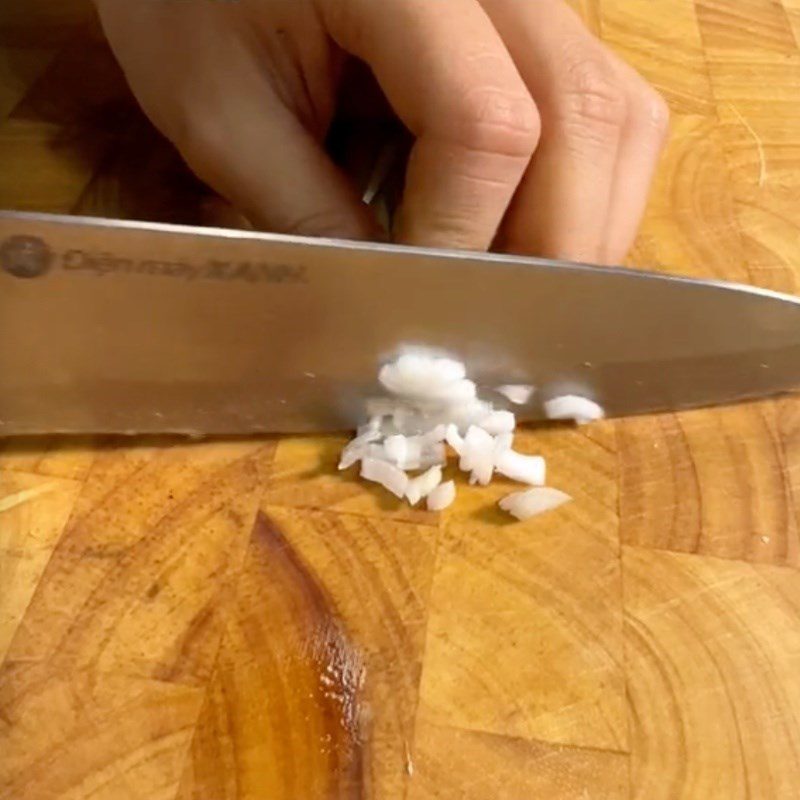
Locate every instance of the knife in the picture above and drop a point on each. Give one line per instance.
(115, 326)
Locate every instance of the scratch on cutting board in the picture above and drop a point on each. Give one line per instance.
(13, 500)
(409, 762)
(762, 170)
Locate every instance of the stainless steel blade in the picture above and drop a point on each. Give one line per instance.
(109, 326)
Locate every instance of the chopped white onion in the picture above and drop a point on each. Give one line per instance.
(377, 451)
(433, 399)
(403, 418)
(468, 414)
(522, 468)
(413, 492)
(499, 422)
(431, 455)
(434, 404)
(442, 496)
(386, 474)
(571, 406)
(411, 452)
(408, 423)
(455, 439)
(425, 377)
(453, 393)
(478, 455)
(449, 370)
(435, 435)
(421, 366)
(396, 448)
(477, 445)
(371, 428)
(350, 455)
(412, 419)
(483, 473)
(518, 394)
(524, 505)
(357, 448)
(502, 442)
(423, 485)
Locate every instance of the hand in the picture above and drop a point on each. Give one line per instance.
(529, 132)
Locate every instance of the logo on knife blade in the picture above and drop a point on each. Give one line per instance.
(25, 257)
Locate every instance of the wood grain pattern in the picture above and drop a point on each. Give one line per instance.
(235, 619)
(498, 657)
(282, 717)
(671, 56)
(709, 719)
(739, 503)
(91, 734)
(136, 592)
(33, 511)
(511, 768)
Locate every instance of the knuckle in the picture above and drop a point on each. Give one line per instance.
(592, 93)
(499, 121)
(654, 111)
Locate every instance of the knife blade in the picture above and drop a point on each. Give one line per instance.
(116, 326)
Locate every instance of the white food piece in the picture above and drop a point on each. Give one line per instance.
(442, 496)
(371, 428)
(454, 393)
(414, 455)
(402, 416)
(435, 435)
(388, 428)
(408, 420)
(423, 485)
(412, 419)
(477, 445)
(448, 370)
(434, 405)
(432, 454)
(524, 505)
(433, 398)
(350, 455)
(413, 492)
(422, 365)
(467, 414)
(377, 451)
(416, 449)
(370, 434)
(417, 375)
(386, 474)
(405, 452)
(478, 455)
(522, 468)
(499, 422)
(482, 471)
(396, 448)
(503, 442)
(518, 394)
(357, 448)
(455, 439)
(571, 406)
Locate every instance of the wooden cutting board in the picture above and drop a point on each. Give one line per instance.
(235, 620)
